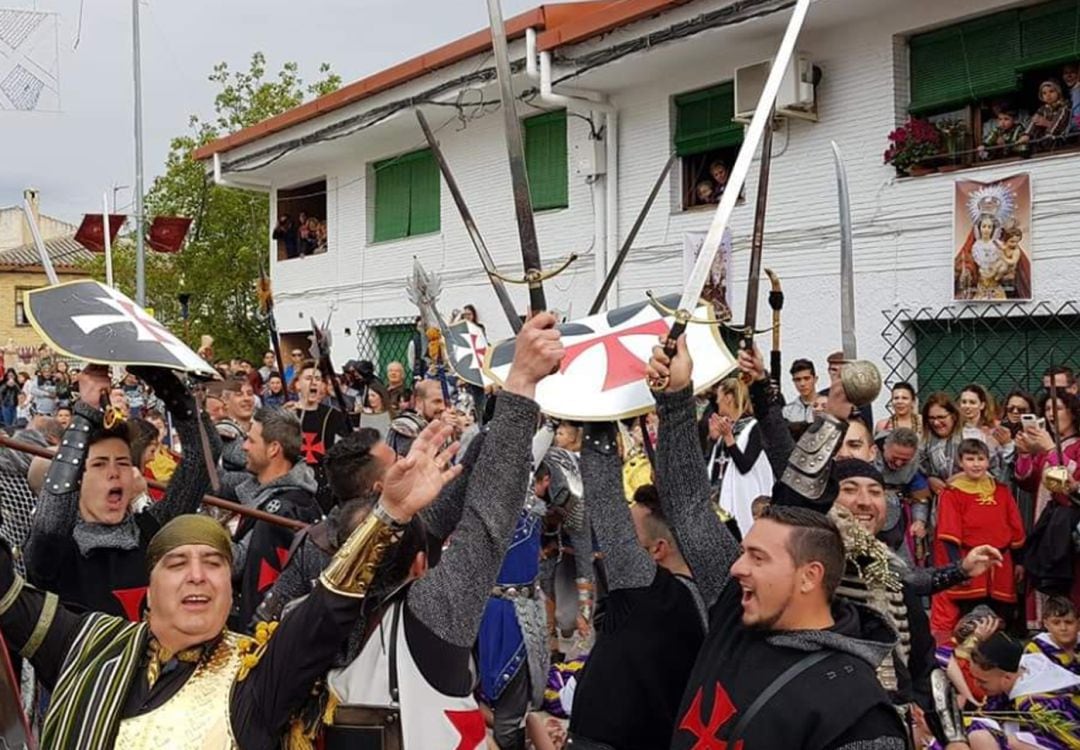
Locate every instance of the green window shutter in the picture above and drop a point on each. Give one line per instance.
(703, 120)
(965, 62)
(391, 200)
(406, 196)
(424, 195)
(545, 160)
(1050, 33)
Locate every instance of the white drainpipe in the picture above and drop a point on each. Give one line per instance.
(219, 179)
(595, 102)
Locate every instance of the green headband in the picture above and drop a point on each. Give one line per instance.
(188, 529)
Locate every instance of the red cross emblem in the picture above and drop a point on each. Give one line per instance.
(470, 725)
(705, 733)
(312, 447)
(623, 366)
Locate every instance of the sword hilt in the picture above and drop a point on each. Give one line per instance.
(671, 348)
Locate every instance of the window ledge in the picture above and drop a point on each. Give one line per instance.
(1070, 152)
(406, 238)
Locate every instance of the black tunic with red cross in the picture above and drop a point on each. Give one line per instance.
(321, 427)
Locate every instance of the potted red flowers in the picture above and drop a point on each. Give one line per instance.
(914, 147)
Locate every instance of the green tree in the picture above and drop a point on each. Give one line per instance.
(229, 235)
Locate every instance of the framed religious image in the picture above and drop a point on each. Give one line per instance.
(718, 286)
(992, 239)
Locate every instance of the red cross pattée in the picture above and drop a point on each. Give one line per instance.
(470, 725)
(312, 448)
(705, 733)
(623, 366)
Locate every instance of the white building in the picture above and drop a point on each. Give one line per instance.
(629, 68)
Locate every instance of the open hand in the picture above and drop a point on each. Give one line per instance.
(677, 370)
(980, 559)
(413, 483)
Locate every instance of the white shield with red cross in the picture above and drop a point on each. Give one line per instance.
(602, 376)
(89, 321)
(466, 348)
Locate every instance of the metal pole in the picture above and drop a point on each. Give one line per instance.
(140, 247)
(108, 239)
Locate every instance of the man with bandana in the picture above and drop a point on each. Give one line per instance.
(179, 679)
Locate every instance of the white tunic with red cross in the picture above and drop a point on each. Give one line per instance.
(430, 720)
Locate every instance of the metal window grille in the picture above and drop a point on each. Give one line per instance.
(386, 340)
(1001, 347)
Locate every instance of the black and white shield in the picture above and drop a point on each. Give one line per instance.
(466, 346)
(90, 321)
(602, 376)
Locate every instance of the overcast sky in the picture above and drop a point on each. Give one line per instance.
(75, 155)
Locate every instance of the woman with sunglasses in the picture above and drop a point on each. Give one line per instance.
(1017, 404)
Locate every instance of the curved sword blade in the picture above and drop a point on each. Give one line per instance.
(847, 260)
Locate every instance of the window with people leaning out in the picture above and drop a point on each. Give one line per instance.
(301, 221)
(1004, 86)
(707, 140)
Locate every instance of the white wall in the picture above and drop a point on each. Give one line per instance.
(902, 226)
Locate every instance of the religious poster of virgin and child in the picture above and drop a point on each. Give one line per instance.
(992, 237)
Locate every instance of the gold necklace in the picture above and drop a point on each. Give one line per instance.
(159, 656)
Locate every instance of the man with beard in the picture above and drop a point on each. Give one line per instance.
(321, 426)
(179, 679)
(783, 664)
(879, 578)
(279, 483)
(428, 405)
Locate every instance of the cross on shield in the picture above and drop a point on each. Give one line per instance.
(466, 347)
(90, 321)
(602, 376)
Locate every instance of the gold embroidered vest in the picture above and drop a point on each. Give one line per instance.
(197, 717)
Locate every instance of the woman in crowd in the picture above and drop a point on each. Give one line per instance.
(941, 437)
(9, 397)
(979, 413)
(274, 393)
(737, 462)
(468, 312)
(1038, 453)
(1017, 404)
(905, 410)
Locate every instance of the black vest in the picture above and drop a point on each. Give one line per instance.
(829, 700)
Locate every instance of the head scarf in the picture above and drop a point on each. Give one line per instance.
(188, 529)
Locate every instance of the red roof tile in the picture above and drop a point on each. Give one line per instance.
(563, 23)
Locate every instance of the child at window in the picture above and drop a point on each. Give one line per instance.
(1058, 641)
(974, 509)
(1006, 137)
(706, 192)
(719, 171)
(1051, 120)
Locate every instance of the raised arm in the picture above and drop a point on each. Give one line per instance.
(191, 480)
(681, 479)
(450, 600)
(628, 565)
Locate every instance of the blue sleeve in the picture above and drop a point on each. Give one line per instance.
(918, 483)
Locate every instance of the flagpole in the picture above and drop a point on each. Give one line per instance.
(140, 247)
(108, 238)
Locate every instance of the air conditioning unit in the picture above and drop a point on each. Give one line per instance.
(796, 98)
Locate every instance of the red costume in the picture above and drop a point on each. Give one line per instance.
(970, 513)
